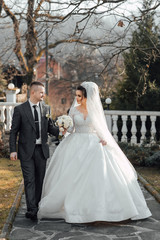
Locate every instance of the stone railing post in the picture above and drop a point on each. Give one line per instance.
(124, 128)
(2, 115)
(9, 117)
(133, 129)
(6, 111)
(153, 129)
(115, 128)
(143, 128)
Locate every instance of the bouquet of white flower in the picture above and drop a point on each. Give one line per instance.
(64, 122)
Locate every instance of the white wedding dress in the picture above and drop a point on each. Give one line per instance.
(85, 182)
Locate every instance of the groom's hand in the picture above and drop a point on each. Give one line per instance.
(13, 156)
(64, 132)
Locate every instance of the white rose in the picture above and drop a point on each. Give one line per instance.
(64, 121)
(71, 124)
(66, 125)
(60, 122)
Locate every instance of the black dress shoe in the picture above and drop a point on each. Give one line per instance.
(34, 217)
(31, 215)
(28, 214)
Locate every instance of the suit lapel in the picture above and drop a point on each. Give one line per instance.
(42, 109)
(28, 112)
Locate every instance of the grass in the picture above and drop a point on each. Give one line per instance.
(152, 175)
(10, 179)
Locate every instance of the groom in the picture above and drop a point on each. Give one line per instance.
(31, 123)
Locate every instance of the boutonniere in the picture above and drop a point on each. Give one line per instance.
(48, 116)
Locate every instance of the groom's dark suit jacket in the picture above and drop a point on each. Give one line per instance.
(23, 123)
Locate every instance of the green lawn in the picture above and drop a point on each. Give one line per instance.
(152, 175)
(10, 179)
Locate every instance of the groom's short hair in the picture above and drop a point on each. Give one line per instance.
(36, 83)
(34, 86)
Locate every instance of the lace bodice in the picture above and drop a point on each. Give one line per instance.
(80, 124)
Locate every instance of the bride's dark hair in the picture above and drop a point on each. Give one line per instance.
(83, 90)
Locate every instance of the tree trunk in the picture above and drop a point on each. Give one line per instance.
(31, 41)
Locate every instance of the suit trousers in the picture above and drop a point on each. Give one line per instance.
(33, 173)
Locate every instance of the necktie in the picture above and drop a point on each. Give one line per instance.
(36, 121)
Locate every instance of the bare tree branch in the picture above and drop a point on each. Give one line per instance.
(72, 21)
(17, 48)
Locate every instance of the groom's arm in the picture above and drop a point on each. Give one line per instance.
(14, 132)
(53, 130)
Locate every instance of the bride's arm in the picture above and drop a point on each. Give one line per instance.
(101, 137)
(104, 142)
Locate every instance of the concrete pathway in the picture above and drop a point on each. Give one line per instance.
(57, 229)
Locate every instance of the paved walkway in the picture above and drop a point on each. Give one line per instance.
(57, 229)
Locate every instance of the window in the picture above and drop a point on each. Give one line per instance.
(63, 100)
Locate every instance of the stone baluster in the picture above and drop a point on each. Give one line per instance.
(9, 117)
(133, 130)
(2, 116)
(115, 128)
(124, 128)
(143, 128)
(153, 129)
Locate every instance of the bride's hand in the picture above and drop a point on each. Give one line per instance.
(103, 142)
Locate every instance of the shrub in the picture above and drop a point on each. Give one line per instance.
(153, 160)
(139, 155)
(4, 151)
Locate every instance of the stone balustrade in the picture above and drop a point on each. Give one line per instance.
(126, 126)
(6, 111)
(134, 126)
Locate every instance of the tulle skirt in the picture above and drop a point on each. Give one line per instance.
(87, 182)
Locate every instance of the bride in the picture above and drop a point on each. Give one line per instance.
(89, 178)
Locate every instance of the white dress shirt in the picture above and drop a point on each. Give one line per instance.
(38, 141)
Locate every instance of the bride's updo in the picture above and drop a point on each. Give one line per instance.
(83, 90)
